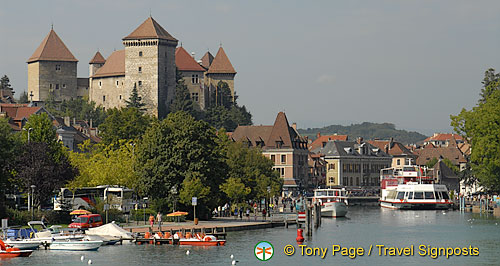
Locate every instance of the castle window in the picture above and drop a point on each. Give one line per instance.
(64, 86)
(140, 83)
(50, 86)
(120, 96)
(104, 98)
(57, 86)
(194, 96)
(140, 53)
(58, 67)
(140, 69)
(117, 83)
(165, 69)
(195, 79)
(100, 84)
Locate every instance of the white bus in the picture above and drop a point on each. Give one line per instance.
(87, 197)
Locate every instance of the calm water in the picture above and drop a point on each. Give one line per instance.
(362, 228)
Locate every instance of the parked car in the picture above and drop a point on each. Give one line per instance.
(86, 221)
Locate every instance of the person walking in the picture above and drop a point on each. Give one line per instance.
(158, 219)
(264, 212)
(151, 220)
(248, 213)
(241, 213)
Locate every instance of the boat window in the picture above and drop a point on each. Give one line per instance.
(445, 195)
(429, 195)
(419, 195)
(438, 195)
(408, 168)
(401, 195)
(320, 193)
(391, 195)
(410, 195)
(330, 193)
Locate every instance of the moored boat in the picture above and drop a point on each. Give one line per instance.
(332, 202)
(9, 252)
(408, 188)
(207, 240)
(76, 245)
(24, 244)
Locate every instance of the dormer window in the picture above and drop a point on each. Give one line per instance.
(279, 143)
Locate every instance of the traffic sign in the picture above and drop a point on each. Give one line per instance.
(194, 201)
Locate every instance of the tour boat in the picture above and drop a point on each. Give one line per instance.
(408, 188)
(332, 201)
(76, 245)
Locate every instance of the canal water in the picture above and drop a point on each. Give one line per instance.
(364, 227)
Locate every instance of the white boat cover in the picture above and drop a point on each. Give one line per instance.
(109, 230)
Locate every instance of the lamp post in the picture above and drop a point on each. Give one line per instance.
(32, 198)
(144, 208)
(269, 202)
(173, 190)
(29, 130)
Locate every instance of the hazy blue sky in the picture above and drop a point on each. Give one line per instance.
(411, 63)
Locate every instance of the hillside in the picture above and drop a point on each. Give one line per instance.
(368, 131)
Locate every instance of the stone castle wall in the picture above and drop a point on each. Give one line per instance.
(109, 92)
(56, 76)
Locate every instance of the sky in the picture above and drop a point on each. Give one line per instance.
(410, 63)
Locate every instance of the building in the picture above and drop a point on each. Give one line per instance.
(444, 140)
(353, 163)
(147, 63)
(321, 141)
(452, 153)
(400, 154)
(444, 175)
(284, 146)
(317, 171)
(18, 114)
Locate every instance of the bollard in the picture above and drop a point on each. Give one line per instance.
(300, 237)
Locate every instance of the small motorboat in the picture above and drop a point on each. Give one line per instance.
(200, 240)
(76, 245)
(24, 244)
(8, 252)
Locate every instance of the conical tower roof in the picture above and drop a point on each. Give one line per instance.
(150, 29)
(282, 131)
(52, 48)
(207, 59)
(185, 62)
(221, 64)
(97, 59)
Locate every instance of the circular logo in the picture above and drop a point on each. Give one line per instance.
(264, 251)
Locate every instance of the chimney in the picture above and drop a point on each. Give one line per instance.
(67, 121)
(391, 143)
(318, 135)
(193, 54)
(294, 125)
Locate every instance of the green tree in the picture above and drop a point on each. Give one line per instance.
(182, 100)
(481, 127)
(40, 129)
(8, 146)
(101, 164)
(491, 82)
(181, 152)
(24, 98)
(35, 165)
(126, 123)
(5, 84)
(135, 101)
(235, 189)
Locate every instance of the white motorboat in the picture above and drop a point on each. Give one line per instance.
(76, 245)
(332, 202)
(408, 188)
(24, 244)
(53, 233)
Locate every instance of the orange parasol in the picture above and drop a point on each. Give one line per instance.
(177, 214)
(79, 212)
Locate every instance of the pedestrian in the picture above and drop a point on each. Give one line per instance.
(151, 220)
(248, 213)
(236, 212)
(264, 214)
(158, 219)
(241, 213)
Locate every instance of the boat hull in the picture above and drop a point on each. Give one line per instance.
(202, 243)
(414, 205)
(15, 253)
(24, 244)
(333, 209)
(76, 245)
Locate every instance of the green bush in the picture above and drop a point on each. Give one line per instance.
(17, 217)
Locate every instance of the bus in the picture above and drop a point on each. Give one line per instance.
(119, 198)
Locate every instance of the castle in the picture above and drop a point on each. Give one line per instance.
(148, 63)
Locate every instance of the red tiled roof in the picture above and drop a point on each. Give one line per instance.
(150, 29)
(97, 59)
(52, 48)
(114, 66)
(428, 153)
(318, 142)
(392, 148)
(19, 111)
(221, 64)
(185, 62)
(290, 183)
(443, 137)
(207, 59)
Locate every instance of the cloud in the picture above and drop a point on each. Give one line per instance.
(325, 79)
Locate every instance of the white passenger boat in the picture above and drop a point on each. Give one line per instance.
(409, 188)
(76, 245)
(332, 202)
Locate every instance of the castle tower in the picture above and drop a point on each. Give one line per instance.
(150, 66)
(52, 69)
(97, 62)
(192, 74)
(220, 69)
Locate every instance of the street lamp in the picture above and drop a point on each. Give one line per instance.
(29, 129)
(32, 198)
(173, 190)
(269, 202)
(144, 208)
